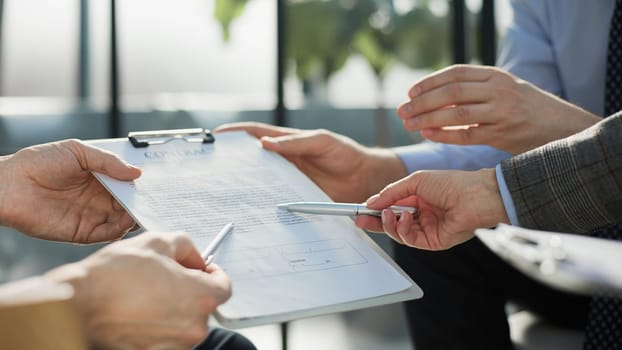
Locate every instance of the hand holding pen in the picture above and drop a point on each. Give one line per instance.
(450, 206)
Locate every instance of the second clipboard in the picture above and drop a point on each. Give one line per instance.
(573, 263)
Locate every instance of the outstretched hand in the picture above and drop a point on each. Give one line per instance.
(48, 191)
(344, 169)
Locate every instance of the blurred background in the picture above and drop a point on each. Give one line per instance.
(98, 69)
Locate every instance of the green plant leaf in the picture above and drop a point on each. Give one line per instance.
(369, 47)
(422, 39)
(323, 34)
(225, 12)
(320, 34)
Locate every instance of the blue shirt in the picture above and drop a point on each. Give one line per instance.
(558, 45)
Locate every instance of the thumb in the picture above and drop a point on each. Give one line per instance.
(107, 163)
(175, 245)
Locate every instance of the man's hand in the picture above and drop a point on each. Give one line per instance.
(450, 206)
(344, 169)
(48, 191)
(471, 105)
(150, 291)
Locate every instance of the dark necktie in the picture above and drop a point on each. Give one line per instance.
(604, 324)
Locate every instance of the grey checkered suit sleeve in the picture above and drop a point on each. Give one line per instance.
(571, 185)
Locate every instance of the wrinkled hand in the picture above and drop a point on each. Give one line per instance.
(469, 105)
(344, 169)
(48, 191)
(451, 205)
(150, 291)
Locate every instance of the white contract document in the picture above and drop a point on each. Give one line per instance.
(283, 265)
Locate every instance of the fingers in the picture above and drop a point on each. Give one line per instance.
(182, 249)
(179, 247)
(389, 222)
(398, 228)
(175, 245)
(474, 135)
(309, 143)
(215, 285)
(455, 73)
(185, 252)
(95, 159)
(369, 223)
(286, 141)
(395, 192)
(218, 281)
(453, 96)
(405, 229)
(459, 115)
(258, 130)
(108, 231)
(213, 268)
(445, 96)
(125, 224)
(402, 192)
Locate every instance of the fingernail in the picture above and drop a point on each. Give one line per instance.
(412, 123)
(270, 140)
(402, 217)
(372, 199)
(415, 91)
(130, 166)
(384, 215)
(428, 132)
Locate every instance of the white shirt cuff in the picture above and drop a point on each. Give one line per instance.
(508, 203)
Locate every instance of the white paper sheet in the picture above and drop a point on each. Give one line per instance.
(282, 264)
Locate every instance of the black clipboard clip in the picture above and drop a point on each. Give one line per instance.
(141, 139)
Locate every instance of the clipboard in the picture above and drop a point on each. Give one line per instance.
(283, 266)
(574, 263)
(140, 139)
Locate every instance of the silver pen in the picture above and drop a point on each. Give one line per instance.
(208, 253)
(347, 209)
